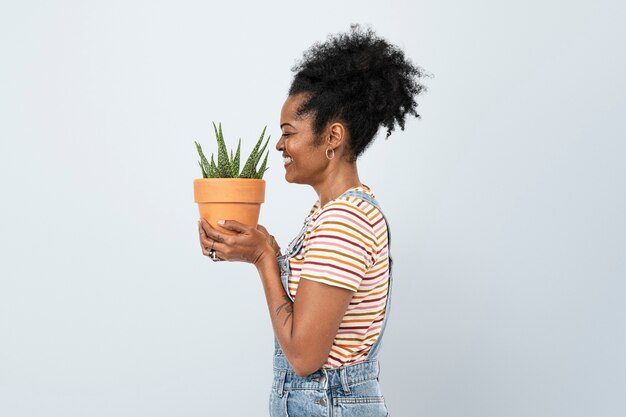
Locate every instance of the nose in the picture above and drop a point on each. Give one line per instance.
(280, 145)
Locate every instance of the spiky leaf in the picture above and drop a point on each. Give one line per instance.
(257, 158)
(204, 163)
(248, 170)
(223, 164)
(214, 172)
(204, 173)
(260, 154)
(228, 165)
(263, 168)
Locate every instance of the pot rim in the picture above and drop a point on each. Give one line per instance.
(229, 190)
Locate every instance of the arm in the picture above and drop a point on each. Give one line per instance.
(306, 328)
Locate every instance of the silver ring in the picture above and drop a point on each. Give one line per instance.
(213, 256)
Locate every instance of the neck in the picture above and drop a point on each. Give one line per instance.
(337, 181)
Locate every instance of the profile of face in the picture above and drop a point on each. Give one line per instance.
(304, 161)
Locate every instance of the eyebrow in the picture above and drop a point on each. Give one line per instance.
(286, 124)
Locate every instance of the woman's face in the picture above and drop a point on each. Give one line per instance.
(304, 162)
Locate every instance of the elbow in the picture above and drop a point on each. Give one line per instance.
(305, 356)
(304, 367)
(303, 372)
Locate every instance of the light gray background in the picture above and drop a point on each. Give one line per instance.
(506, 201)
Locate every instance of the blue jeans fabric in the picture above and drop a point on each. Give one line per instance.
(349, 391)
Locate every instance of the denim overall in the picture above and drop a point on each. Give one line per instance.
(351, 390)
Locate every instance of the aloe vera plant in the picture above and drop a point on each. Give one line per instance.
(228, 165)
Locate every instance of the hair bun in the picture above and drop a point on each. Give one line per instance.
(361, 79)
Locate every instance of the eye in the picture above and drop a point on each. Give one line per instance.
(286, 135)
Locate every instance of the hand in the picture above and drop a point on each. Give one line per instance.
(270, 238)
(247, 245)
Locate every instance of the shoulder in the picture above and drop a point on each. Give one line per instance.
(359, 208)
(351, 218)
(346, 211)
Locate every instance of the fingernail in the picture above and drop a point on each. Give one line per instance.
(220, 222)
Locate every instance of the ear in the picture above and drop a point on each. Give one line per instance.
(337, 135)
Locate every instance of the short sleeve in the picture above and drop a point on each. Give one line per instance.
(340, 247)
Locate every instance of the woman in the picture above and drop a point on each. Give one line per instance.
(327, 338)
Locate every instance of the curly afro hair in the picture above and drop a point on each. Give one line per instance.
(360, 79)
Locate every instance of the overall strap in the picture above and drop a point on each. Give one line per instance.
(373, 353)
(291, 251)
(296, 245)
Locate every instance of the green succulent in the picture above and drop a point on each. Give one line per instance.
(228, 165)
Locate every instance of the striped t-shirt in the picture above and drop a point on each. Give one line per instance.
(345, 245)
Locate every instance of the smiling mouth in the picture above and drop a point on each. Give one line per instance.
(287, 160)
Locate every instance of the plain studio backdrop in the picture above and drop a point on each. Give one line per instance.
(506, 203)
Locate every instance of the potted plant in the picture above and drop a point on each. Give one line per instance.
(227, 193)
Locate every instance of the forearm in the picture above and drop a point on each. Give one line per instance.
(281, 312)
(279, 304)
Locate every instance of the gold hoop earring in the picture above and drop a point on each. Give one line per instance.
(332, 155)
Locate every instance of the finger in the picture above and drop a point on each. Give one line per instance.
(207, 243)
(205, 246)
(233, 225)
(220, 251)
(262, 229)
(211, 233)
(212, 245)
(205, 240)
(202, 235)
(201, 227)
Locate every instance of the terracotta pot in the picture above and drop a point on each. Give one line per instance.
(229, 199)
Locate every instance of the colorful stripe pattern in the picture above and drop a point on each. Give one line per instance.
(346, 246)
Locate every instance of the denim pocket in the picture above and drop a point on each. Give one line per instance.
(360, 407)
(364, 400)
(278, 405)
(359, 400)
